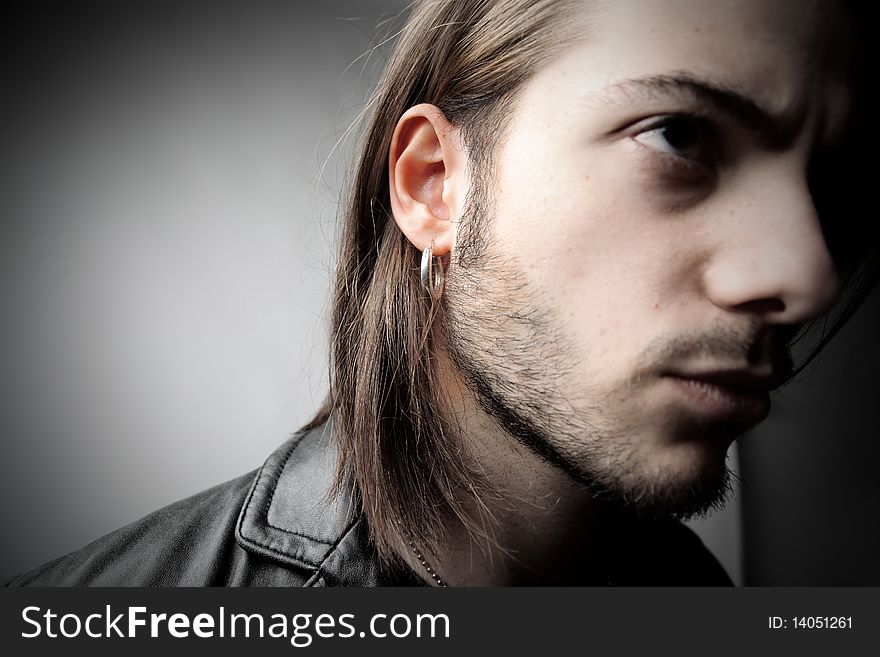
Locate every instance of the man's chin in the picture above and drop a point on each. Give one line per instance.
(683, 497)
(694, 500)
(683, 488)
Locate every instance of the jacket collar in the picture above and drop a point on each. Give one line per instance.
(290, 517)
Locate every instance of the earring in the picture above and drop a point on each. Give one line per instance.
(432, 273)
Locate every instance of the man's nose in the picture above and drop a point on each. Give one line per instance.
(772, 260)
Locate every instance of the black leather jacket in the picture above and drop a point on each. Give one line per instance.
(277, 527)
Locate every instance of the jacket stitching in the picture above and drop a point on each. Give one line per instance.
(318, 573)
(251, 494)
(272, 501)
(263, 542)
(267, 544)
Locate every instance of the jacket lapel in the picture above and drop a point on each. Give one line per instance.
(290, 518)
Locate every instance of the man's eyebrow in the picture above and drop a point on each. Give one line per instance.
(745, 111)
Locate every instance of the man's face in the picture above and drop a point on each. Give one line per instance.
(651, 242)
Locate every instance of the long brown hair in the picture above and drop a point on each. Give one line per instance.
(396, 455)
(468, 57)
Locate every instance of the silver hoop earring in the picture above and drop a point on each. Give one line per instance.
(432, 273)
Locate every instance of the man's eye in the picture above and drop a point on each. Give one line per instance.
(682, 136)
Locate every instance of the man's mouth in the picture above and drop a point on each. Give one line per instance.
(741, 396)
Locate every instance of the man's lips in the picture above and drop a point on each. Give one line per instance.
(733, 395)
(735, 379)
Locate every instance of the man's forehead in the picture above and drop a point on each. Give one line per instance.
(745, 44)
(785, 58)
(798, 20)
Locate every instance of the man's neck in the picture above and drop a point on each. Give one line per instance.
(540, 527)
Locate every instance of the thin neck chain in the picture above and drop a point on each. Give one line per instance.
(425, 565)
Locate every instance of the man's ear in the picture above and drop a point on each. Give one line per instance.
(426, 177)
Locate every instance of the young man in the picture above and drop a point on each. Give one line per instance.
(580, 239)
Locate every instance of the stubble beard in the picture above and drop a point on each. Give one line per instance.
(515, 360)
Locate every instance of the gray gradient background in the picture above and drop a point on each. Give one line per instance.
(170, 180)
